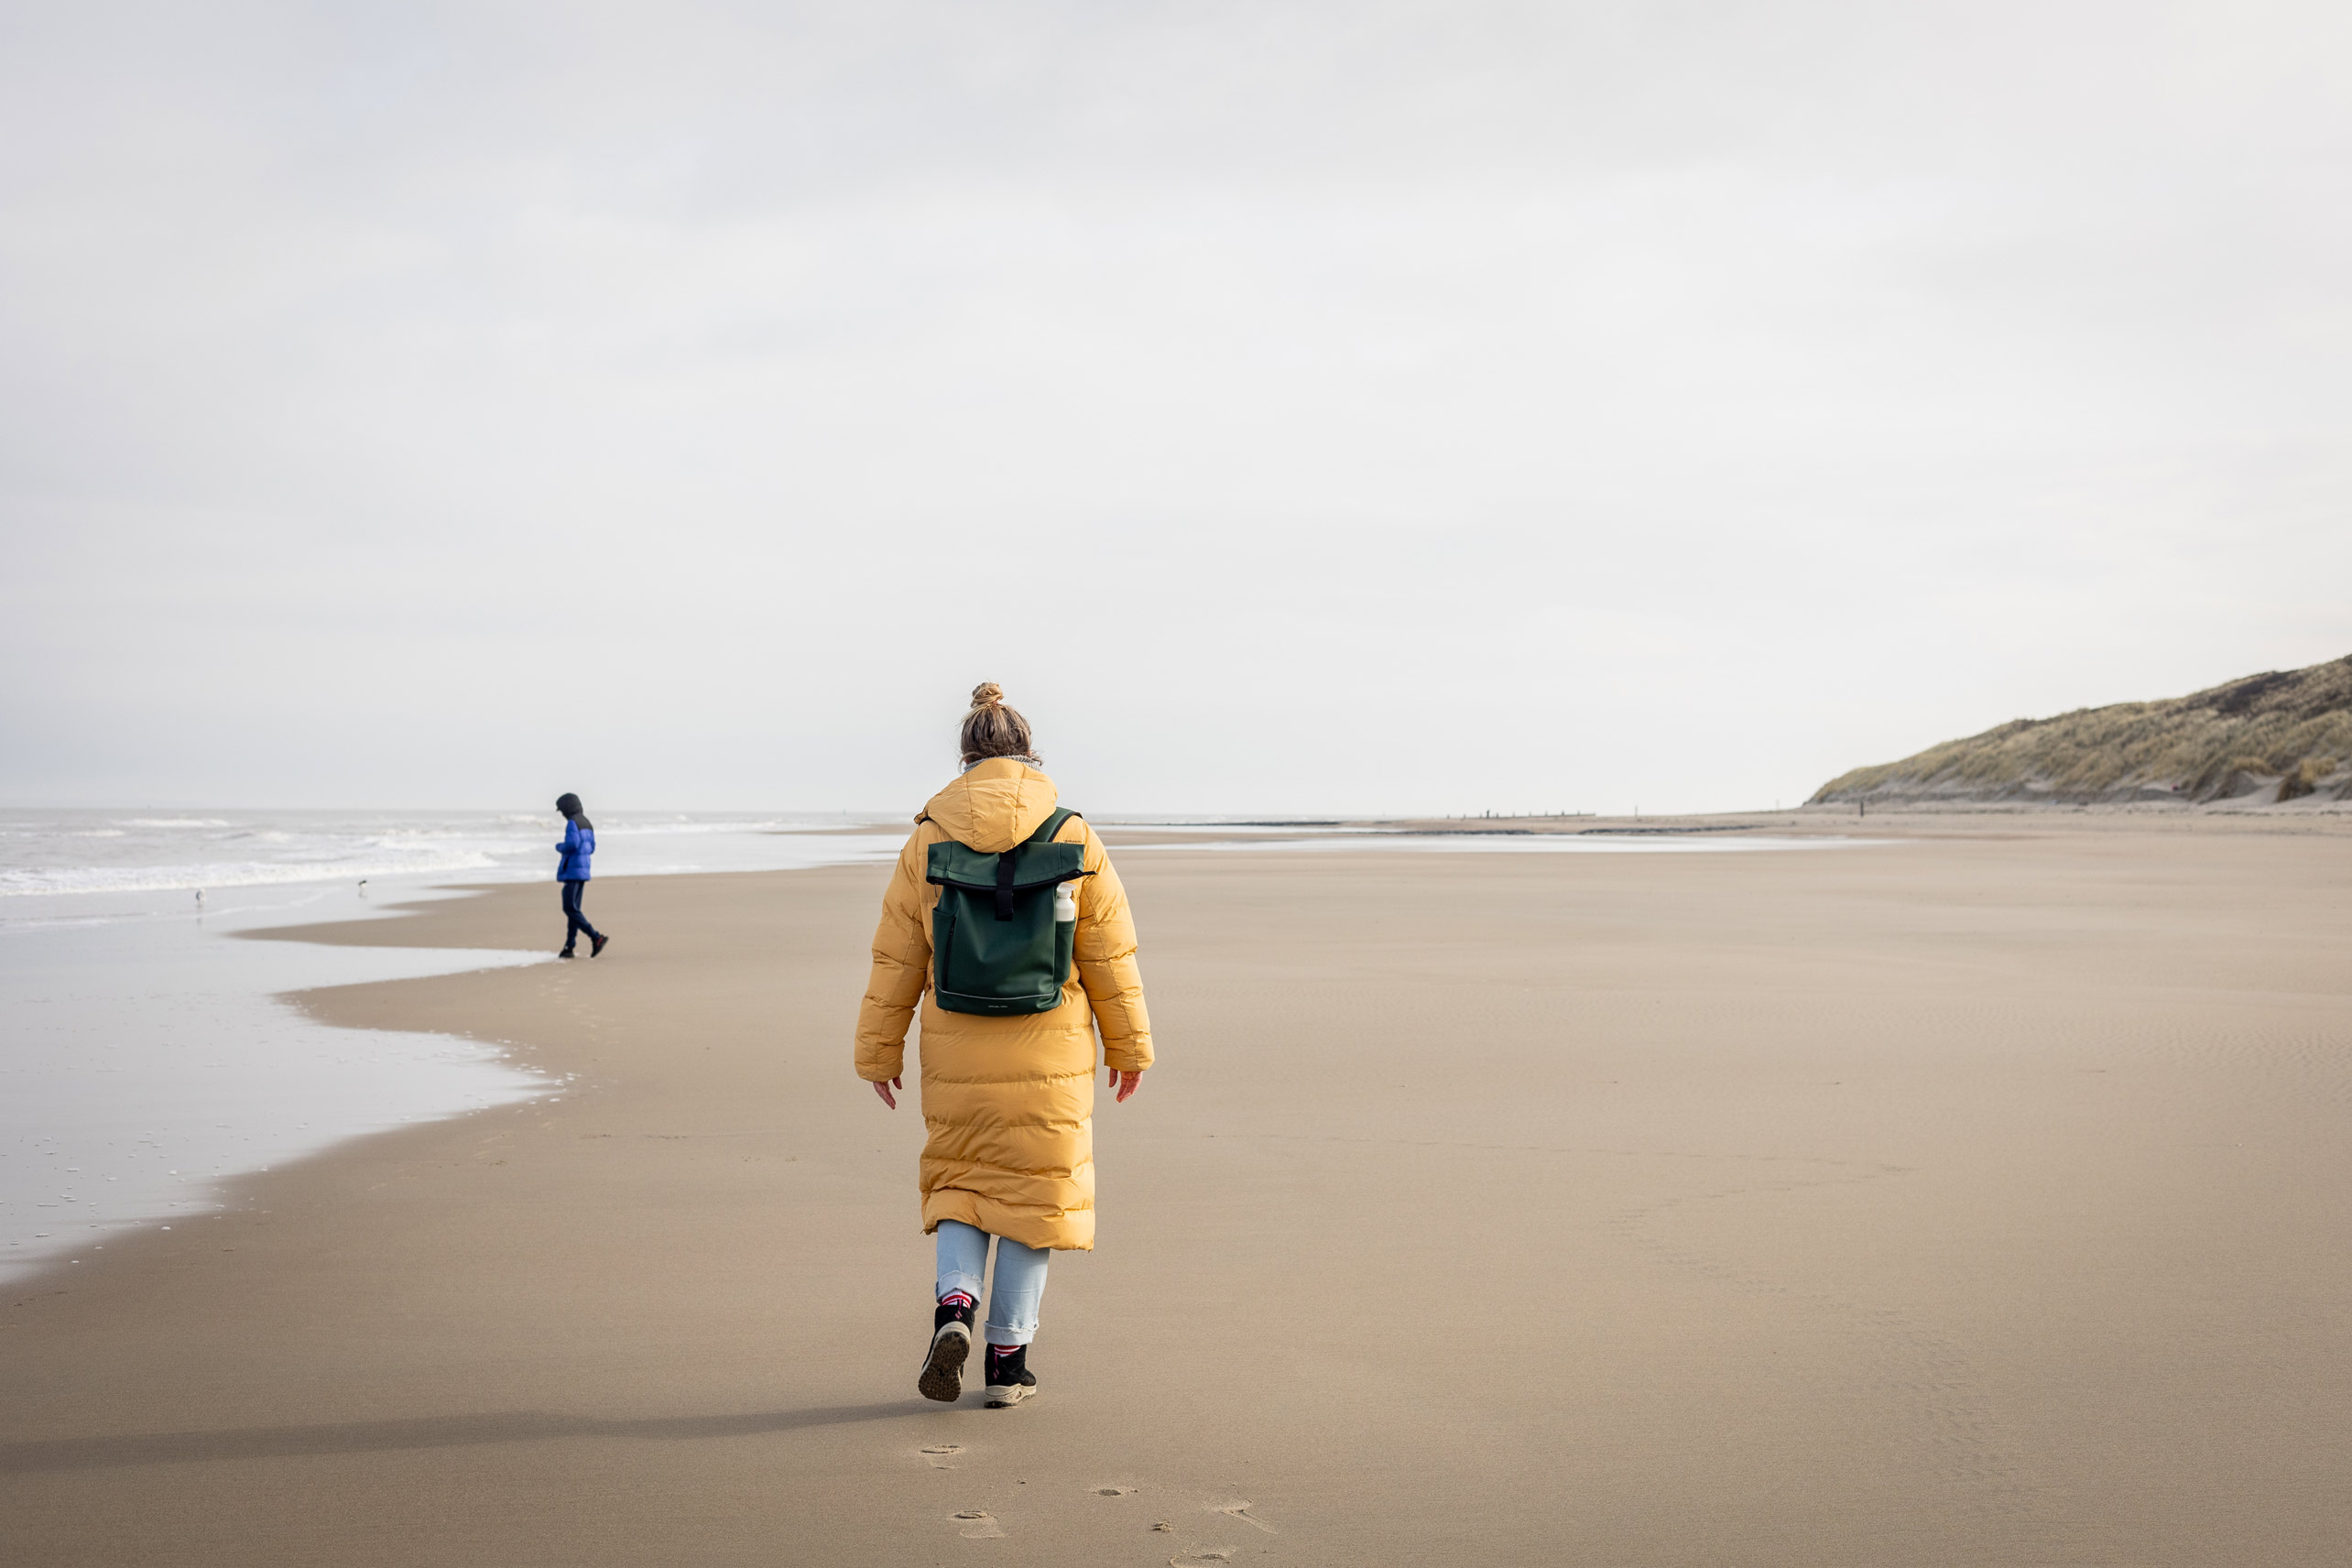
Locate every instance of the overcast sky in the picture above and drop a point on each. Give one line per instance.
(1353, 408)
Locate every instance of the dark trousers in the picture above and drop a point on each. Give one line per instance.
(578, 922)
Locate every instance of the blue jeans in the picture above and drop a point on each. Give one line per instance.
(1020, 1278)
(576, 922)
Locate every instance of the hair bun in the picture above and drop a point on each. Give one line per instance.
(987, 694)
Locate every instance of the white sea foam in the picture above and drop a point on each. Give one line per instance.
(81, 851)
(231, 873)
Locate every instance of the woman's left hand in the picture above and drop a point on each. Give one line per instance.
(1126, 1081)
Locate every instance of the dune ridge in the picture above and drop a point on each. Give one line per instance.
(2278, 737)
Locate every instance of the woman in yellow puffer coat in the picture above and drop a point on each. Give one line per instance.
(1009, 1102)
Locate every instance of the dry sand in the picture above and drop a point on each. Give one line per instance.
(1979, 1199)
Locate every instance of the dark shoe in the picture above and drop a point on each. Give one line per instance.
(1009, 1379)
(596, 945)
(567, 953)
(942, 1373)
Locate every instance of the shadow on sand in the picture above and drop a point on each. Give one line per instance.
(429, 1431)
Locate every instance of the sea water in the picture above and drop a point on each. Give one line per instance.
(146, 1055)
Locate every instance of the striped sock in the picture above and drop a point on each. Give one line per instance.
(955, 1299)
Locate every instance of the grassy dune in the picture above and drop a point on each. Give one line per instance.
(2282, 735)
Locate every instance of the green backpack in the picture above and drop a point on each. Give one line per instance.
(998, 946)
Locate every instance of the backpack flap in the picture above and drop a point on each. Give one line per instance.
(1023, 868)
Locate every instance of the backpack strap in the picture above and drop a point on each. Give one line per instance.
(1051, 826)
(1005, 885)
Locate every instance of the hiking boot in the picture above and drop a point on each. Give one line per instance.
(942, 1374)
(596, 945)
(567, 953)
(1009, 1379)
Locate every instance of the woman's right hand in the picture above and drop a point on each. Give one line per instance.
(884, 1090)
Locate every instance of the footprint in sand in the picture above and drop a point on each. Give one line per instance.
(1114, 1491)
(976, 1524)
(940, 1455)
(1240, 1510)
(1200, 1560)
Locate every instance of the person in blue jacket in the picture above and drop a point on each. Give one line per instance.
(572, 873)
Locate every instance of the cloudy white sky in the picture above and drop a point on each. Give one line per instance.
(1356, 407)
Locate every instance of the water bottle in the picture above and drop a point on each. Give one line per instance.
(1065, 902)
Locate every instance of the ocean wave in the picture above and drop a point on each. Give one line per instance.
(231, 873)
(173, 822)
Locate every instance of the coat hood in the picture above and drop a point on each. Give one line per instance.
(994, 805)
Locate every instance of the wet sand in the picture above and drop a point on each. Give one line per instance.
(1978, 1198)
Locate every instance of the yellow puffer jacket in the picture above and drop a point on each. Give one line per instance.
(1009, 1102)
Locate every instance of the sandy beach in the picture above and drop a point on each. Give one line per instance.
(1974, 1197)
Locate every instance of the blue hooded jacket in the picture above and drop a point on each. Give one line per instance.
(579, 844)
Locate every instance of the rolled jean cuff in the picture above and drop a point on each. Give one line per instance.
(997, 1335)
(967, 1283)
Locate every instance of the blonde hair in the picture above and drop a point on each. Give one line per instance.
(991, 729)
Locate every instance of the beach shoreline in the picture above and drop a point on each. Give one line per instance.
(1927, 820)
(1968, 1196)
